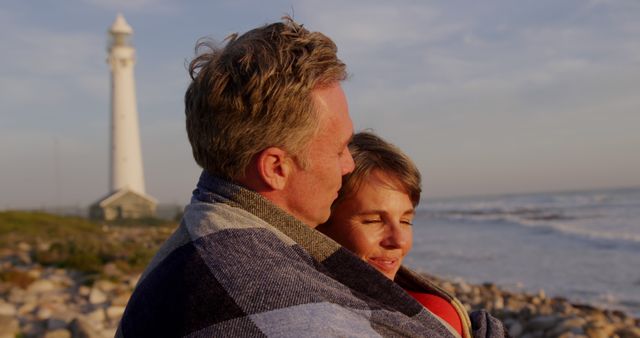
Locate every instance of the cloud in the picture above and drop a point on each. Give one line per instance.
(135, 5)
(377, 34)
(42, 65)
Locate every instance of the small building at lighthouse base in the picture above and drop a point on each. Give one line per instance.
(123, 204)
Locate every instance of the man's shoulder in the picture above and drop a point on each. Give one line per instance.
(218, 234)
(220, 265)
(204, 218)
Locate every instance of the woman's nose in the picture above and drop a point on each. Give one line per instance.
(395, 236)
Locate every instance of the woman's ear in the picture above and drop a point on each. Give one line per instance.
(274, 167)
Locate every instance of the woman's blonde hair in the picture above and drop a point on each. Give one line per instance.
(372, 153)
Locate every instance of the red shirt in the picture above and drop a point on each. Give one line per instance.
(440, 307)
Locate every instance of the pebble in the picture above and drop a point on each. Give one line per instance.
(97, 316)
(542, 322)
(122, 299)
(516, 329)
(22, 246)
(27, 308)
(114, 313)
(41, 286)
(8, 326)
(43, 313)
(54, 323)
(111, 270)
(58, 333)
(34, 273)
(59, 320)
(104, 285)
(629, 332)
(84, 290)
(81, 328)
(96, 296)
(7, 309)
(16, 295)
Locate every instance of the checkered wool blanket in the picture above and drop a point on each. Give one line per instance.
(239, 266)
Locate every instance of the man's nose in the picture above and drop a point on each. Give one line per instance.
(348, 165)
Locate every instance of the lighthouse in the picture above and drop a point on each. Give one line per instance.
(127, 197)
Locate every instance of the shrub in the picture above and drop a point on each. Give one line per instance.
(77, 243)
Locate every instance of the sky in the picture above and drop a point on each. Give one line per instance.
(487, 97)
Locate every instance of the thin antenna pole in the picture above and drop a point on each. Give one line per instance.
(56, 169)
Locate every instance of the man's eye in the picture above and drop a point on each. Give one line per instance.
(343, 151)
(371, 221)
(406, 221)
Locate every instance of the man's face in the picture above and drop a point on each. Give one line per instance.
(312, 190)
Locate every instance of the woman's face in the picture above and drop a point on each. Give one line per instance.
(375, 223)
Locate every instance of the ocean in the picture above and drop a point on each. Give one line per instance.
(584, 246)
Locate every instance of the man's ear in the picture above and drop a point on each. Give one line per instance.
(274, 167)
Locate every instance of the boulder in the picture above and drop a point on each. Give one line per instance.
(599, 329)
(498, 303)
(133, 281)
(541, 323)
(59, 333)
(104, 285)
(23, 246)
(96, 316)
(96, 296)
(111, 270)
(109, 332)
(516, 329)
(464, 287)
(572, 325)
(41, 286)
(33, 328)
(84, 290)
(16, 296)
(44, 313)
(59, 320)
(629, 332)
(27, 308)
(34, 273)
(80, 328)
(24, 258)
(114, 313)
(9, 326)
(7, 309)
(121, 299)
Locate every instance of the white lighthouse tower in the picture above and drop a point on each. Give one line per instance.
(126, 157)
(127, 197)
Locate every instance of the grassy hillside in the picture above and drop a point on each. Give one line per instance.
(77, 243)
(31, 226)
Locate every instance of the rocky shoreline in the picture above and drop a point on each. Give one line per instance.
(41, 301)
(536, 315)
(37, 301)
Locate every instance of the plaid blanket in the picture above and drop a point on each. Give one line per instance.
(239, 266)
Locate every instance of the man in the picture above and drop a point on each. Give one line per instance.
(269, 124)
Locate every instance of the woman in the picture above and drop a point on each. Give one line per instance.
(373, 216)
